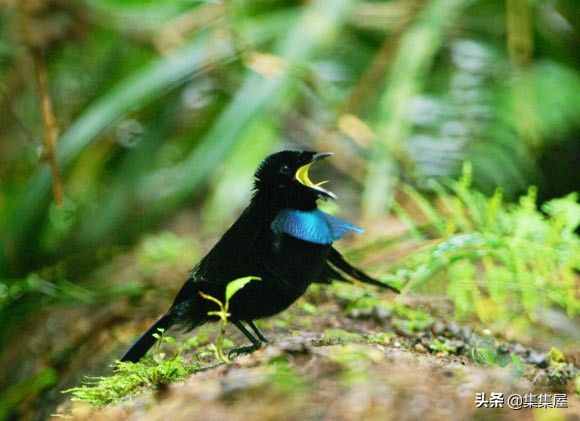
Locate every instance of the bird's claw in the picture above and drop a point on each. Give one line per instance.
(242, 350)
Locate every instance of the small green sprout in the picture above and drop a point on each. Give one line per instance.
(223, 313)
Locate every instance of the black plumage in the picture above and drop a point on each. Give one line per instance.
(281, 237)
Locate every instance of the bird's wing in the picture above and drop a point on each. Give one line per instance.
(336, 267)
(235, 255)
(313, 226)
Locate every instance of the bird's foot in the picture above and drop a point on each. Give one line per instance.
(242, 350)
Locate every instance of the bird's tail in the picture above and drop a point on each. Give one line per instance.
(147, 340)
(339, 262)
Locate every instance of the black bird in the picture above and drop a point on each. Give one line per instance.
(282, 238)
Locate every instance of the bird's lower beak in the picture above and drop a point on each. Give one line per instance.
(304, 178)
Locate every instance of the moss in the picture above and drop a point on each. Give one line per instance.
(339, 337)
(442, 346)
(356, 361)
(411, 320)
(556, 356)
(486, 352)
(560, 374)
(380, 338)
(308, 308)
(130, 379)
(284, 377)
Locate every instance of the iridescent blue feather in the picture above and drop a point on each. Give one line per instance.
(313, 226)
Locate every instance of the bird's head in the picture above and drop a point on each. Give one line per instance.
(283, 179)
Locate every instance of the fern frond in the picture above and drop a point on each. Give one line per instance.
(495, 260)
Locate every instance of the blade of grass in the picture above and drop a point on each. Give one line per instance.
(315, 27)
(130, 94)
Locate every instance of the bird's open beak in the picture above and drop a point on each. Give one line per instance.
(303, 177)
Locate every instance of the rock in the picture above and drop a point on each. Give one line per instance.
(420, 348)
(453, 329)
(438, 328)
(538, 359)
(520, 350)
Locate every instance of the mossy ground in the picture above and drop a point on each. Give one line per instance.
(335, 356)
(342, 351)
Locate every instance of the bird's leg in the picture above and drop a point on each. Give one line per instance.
(259, 334)
(245, 331)
(256, 344)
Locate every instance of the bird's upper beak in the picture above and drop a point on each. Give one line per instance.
(303, 177)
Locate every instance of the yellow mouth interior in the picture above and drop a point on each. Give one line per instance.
(303, 177)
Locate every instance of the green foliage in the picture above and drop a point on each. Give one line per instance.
(284, 378)
(556, 356)
(34, 284)
(22, 391)
(164, 366)
(560, 371)
(340, 337)
(411, 320)
(355, 360)
(361, 303)
(141, 179)
(380, 338)
(129, 379)
(418, 49)
(442, 346)
(60, 291)
(223, 312)
(308, 308)
(358, 301)
(496, 260)
(165, 250)
(159, 101)
(485, 352)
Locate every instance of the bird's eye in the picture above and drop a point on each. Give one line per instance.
(285, 169)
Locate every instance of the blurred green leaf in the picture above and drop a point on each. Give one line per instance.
(416, 51)
(135, 92)
(17, 393)
(315, 27)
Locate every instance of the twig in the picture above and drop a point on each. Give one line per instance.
(36, 46)
(49, 122)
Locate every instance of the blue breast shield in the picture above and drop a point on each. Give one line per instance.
(314, 226)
